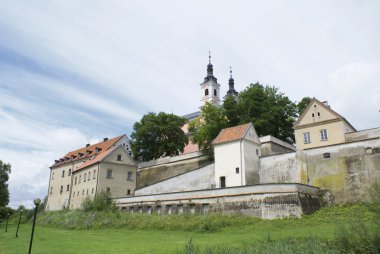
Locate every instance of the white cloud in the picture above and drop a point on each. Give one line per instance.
(354, 90)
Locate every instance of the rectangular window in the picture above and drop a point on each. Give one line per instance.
(169, 209)
(92, 191)
(87, 192)
(68, 187)
(94, 175)
(89, 175)
(82, 192)
(323, 134)
(108, 189)
(109, 173)
(80, 178)
(52, 176)
(205, 208)
(61, 189)
(84, 177)
(237, 170)
(192, 208)
(69, 172)
(63, 173)
(119, 157)
(180, 209)
(306, 138)
(128, 192)
(51, 190)
(130, 176)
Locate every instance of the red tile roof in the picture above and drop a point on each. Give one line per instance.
(92, 149)
(94, 159)
(232, 133)
(190, 148)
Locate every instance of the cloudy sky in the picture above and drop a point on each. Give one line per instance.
(73, 72)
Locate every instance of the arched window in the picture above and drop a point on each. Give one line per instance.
(206, 92)
(214, 92)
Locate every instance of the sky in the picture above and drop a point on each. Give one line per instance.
(74, 72)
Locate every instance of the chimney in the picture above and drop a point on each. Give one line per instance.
(87, 145)
(105, 139)
(326, 103)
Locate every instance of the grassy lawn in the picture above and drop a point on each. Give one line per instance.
(321, 225)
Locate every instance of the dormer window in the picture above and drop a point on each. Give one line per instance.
(80, 155)
(72, 157)
(97, 149)
(88, 152)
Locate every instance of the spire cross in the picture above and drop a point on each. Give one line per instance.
(230, 72)
(209, 57)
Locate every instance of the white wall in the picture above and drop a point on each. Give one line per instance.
(251, 162)
(228, 157)
(202, 178)
(279, 169)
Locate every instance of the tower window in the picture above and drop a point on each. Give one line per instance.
(214, 92)
(206, 92)
(237, 170)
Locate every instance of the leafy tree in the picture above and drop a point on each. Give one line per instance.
(270, 111)
(302, 104)
(5, 170)
(207, 126)
(232, 111)
(158, 135)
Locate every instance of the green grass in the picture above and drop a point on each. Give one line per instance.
(122, 235)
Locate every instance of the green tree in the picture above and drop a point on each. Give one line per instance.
(207, 126)
(232, 111)
(270, 111)
(302, 104)
(157, 135)
(5, 170)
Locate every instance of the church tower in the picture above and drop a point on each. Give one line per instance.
(210, 86)
(231, 87)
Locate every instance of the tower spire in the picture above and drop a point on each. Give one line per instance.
(231, 85)
(210, 86)
(210, 71)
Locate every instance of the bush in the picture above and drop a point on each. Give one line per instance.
(101, 202)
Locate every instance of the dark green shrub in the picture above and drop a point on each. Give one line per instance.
(101, 202)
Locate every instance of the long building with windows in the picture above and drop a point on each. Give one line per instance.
(106, 166)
